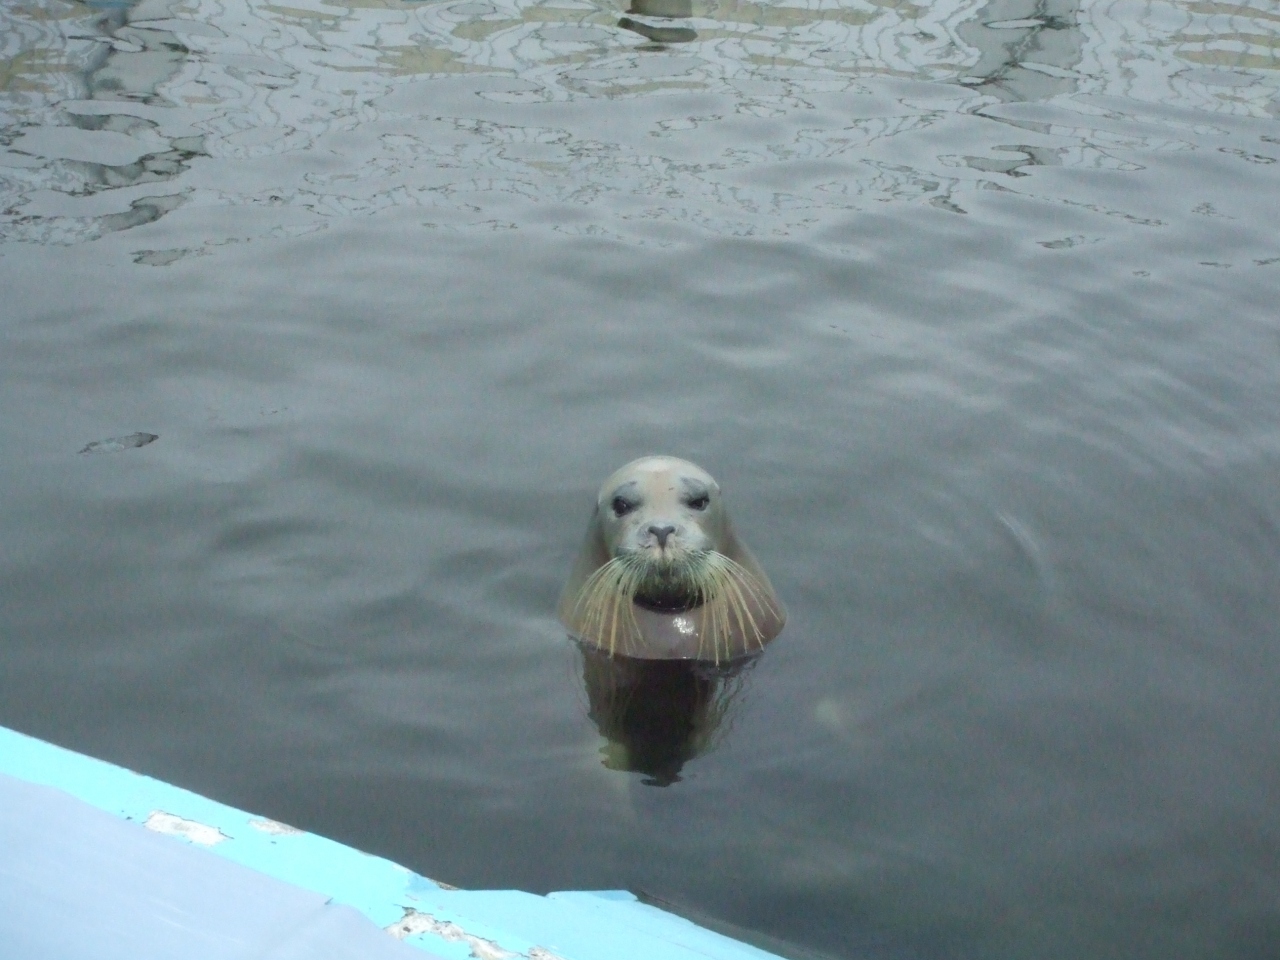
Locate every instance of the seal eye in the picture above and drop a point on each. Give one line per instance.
(700, 502)
(622, 506)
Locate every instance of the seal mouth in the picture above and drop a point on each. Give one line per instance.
(671, 583)
(669, 597)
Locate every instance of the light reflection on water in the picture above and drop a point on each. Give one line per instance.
(971, 306)
(752, 148)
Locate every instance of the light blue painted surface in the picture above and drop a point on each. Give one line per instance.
(453, 924)
(77, 883)
(372, 885)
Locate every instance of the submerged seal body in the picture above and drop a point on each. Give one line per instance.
(662, 576)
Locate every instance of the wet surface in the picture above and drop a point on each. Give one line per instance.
(969, 307)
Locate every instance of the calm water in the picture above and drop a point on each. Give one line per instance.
(971, 308)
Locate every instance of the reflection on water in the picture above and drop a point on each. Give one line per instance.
(1028, 49)
(657, 715)
(665, 10)
(109, 107)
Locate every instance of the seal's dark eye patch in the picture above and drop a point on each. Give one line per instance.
(699, 502)
(622, 506)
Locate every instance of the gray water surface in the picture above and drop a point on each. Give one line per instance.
(971, 309)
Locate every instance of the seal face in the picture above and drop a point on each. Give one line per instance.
(662, 576)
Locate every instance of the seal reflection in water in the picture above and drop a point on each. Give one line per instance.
(656, 715)
(662, 576)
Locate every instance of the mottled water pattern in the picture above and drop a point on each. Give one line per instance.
(970, 307)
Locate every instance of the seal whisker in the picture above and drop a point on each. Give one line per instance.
(713, 623)
(603, 604)
(622, 605)
(726, 605)
(737, 601)
(757, 590)
(714, 626)
(707, 619)
(625, 599)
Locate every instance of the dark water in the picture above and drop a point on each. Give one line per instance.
(972, 310)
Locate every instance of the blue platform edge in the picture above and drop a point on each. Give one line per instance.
(443, 922)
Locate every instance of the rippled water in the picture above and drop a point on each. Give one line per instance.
(970, 307)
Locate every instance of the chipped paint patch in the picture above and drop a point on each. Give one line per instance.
(172, 826)
(274, 827)
(415, 922)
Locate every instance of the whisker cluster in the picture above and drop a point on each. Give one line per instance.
(727, 598)
(729, 591)
(602, 611)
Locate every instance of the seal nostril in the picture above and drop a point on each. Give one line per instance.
(661, 533)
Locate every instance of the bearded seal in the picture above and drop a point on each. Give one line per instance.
(662, 576)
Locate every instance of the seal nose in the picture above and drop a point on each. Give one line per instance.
(661, 533)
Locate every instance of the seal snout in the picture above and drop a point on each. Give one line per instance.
(661, 532)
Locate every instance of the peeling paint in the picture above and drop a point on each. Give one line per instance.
(415, 922)
(173, 826)
(274, 827)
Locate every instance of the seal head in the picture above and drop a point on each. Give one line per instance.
(662, 576)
